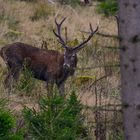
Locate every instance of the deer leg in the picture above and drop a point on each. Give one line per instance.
(8, 80)
(49, 86)
(12, 77)
(13, 74)
(16, 73)
(61, 89)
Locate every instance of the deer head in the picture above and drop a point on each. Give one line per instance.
(70, 52)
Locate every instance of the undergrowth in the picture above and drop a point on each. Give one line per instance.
(26, 83)
(57, 119)
(7, 124)
(108, 7)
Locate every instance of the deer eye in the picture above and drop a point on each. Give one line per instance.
(73, 57)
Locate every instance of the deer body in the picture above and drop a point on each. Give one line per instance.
(47, 65)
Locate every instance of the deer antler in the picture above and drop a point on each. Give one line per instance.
(92, 32)
(58, 34)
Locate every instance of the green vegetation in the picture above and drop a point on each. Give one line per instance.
(119, 136)
(7, 124)
(12, 22)
(12, 34)
(41, 11)
(57, 119)
(108, 7)
(26, 82)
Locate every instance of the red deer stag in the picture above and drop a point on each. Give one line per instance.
(47, 65)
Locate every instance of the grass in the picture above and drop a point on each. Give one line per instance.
(42, 10)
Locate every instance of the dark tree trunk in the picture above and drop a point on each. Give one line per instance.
(129, 32)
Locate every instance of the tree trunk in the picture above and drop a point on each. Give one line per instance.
(129, 32)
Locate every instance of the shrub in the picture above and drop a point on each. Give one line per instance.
(57, 119)
(12, 34)
(7, 123)
(41, 10)
(108, 7)
(12, 22)
(11, 137)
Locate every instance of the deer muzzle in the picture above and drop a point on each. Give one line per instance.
(66, 66)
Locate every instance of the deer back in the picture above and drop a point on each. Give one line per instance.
(43, 63)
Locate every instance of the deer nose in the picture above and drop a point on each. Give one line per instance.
(66, 66)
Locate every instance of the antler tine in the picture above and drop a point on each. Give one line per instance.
(90, 27)
(58, 34)
(81, 45)
(59, 24)
(93, 31)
